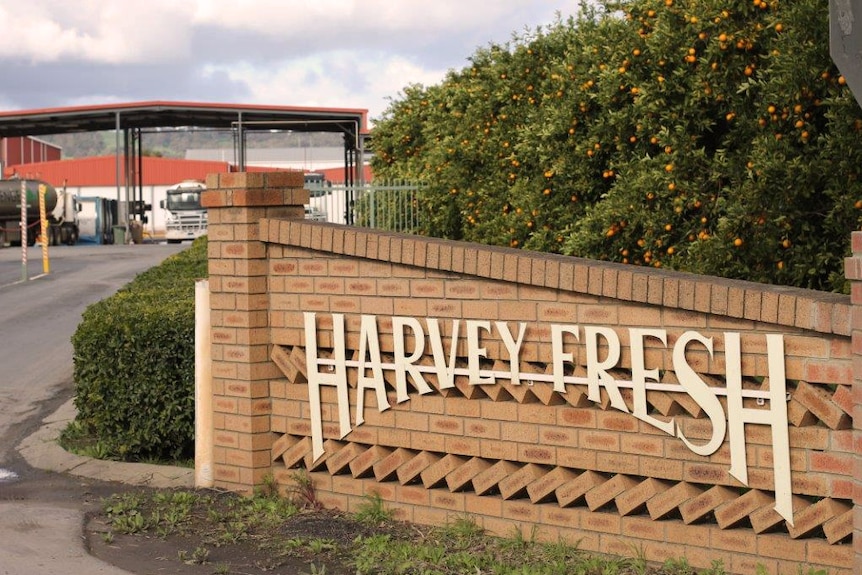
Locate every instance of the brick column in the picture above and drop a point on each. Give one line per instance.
(239, 303)
(853, 270)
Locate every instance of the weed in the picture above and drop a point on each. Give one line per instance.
(461, 533)
(372, 511)
(294, 543)
(122, 504)
(638, 562)
(268, 487)
(678, 566)
(321, 545)
(197, 557)
(302, 491)
(464, 527)
(517, 542)
(716, 568)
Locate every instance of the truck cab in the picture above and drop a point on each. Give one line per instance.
(185, 218)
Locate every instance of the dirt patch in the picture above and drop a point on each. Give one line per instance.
(215, 540)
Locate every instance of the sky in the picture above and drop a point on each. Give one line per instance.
(320, 53)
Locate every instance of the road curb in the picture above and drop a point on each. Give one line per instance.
(42, 451)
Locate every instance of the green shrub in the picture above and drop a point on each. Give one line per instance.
(134, 364)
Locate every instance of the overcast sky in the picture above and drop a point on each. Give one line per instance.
(335, 53)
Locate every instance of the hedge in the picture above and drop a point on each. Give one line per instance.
(134, 363)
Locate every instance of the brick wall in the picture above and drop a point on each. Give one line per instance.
(604, 466)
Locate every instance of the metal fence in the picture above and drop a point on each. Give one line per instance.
(392, 206)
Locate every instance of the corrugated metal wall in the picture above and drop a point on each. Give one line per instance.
(102, 171)
(26, 150)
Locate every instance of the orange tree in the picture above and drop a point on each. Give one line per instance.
(704, 135)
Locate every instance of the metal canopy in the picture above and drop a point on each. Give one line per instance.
(163, 114)
(130, 119)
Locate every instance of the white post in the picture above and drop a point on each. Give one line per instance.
(23, 230)
(203, 388)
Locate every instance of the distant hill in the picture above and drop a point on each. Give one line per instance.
(173, 143)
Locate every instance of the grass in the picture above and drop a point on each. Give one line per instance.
(277, 531)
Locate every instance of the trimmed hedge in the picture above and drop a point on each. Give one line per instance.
(134, 363)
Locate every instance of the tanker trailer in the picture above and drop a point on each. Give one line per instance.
(62, 215)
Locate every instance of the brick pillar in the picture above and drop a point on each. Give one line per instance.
(239, 303)
(853, 270)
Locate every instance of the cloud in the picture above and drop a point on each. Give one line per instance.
(334, 53)
(330, 80)
(95, 31)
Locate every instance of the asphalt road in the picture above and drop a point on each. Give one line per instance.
(38, 318)
(42, 512)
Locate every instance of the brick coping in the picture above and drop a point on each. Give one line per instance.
(820, 312)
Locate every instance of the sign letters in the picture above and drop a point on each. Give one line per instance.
(601, 348)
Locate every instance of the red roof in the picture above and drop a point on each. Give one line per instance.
(102, 171)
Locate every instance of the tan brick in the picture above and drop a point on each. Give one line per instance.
(411, 471)
(436, 473)
(807, 520)
(543, 488)
(820, 403)
(282, 444)
(766, 518)
(363, 464)
(603, 494)
(297, 452)
(798, 415)
(737, 541)
(492, 476)
(442, 499)
(633, 499)
(386, 468)
(330, 446)
(341, 458)
(459, 478)
(729, 514)
(520, 393)
(516, 483)
(831, 556)
(570, 492)
(705, 503)
(839, 527)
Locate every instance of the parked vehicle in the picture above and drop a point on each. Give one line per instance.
(97, 219)
(61, 209)
(186, 219)
(317, 184)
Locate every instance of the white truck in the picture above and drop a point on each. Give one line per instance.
(185, 218)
